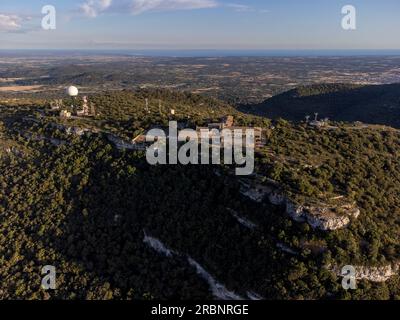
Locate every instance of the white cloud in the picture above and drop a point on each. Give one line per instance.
(140, 6)
(240, 7)
(245, 8)
(9, 23)
(92, 8)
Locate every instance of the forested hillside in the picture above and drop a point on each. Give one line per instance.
(95, 211)
(377, 104)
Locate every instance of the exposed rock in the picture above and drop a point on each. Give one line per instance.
(157, 245)
(243, 221)
(373, 274)
(219, 290)
(276, 198)
(121, 144)
(254, 296)
(321, 216)
(296, 212)
(286, 249)
(256, 193)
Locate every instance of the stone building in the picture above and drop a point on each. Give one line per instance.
(227, 123)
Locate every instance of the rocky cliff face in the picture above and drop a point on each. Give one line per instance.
(373, 274)
(120, 143)
(219, 291)
(323, 217)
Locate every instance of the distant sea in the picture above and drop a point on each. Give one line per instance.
(202, 53)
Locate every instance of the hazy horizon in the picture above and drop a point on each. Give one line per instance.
(208, 52)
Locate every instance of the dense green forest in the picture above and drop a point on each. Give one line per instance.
(85, 207)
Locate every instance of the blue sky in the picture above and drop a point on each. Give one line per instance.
(199, 24)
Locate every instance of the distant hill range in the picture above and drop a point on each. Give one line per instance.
(375, 104)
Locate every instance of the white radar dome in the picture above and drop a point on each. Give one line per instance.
(72, 91)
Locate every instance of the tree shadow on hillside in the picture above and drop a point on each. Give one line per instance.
(186, 209)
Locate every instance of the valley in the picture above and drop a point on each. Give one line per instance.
(237, 80)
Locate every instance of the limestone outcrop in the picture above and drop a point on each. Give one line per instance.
(318, 215)
(321, 217)
(373, 274)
